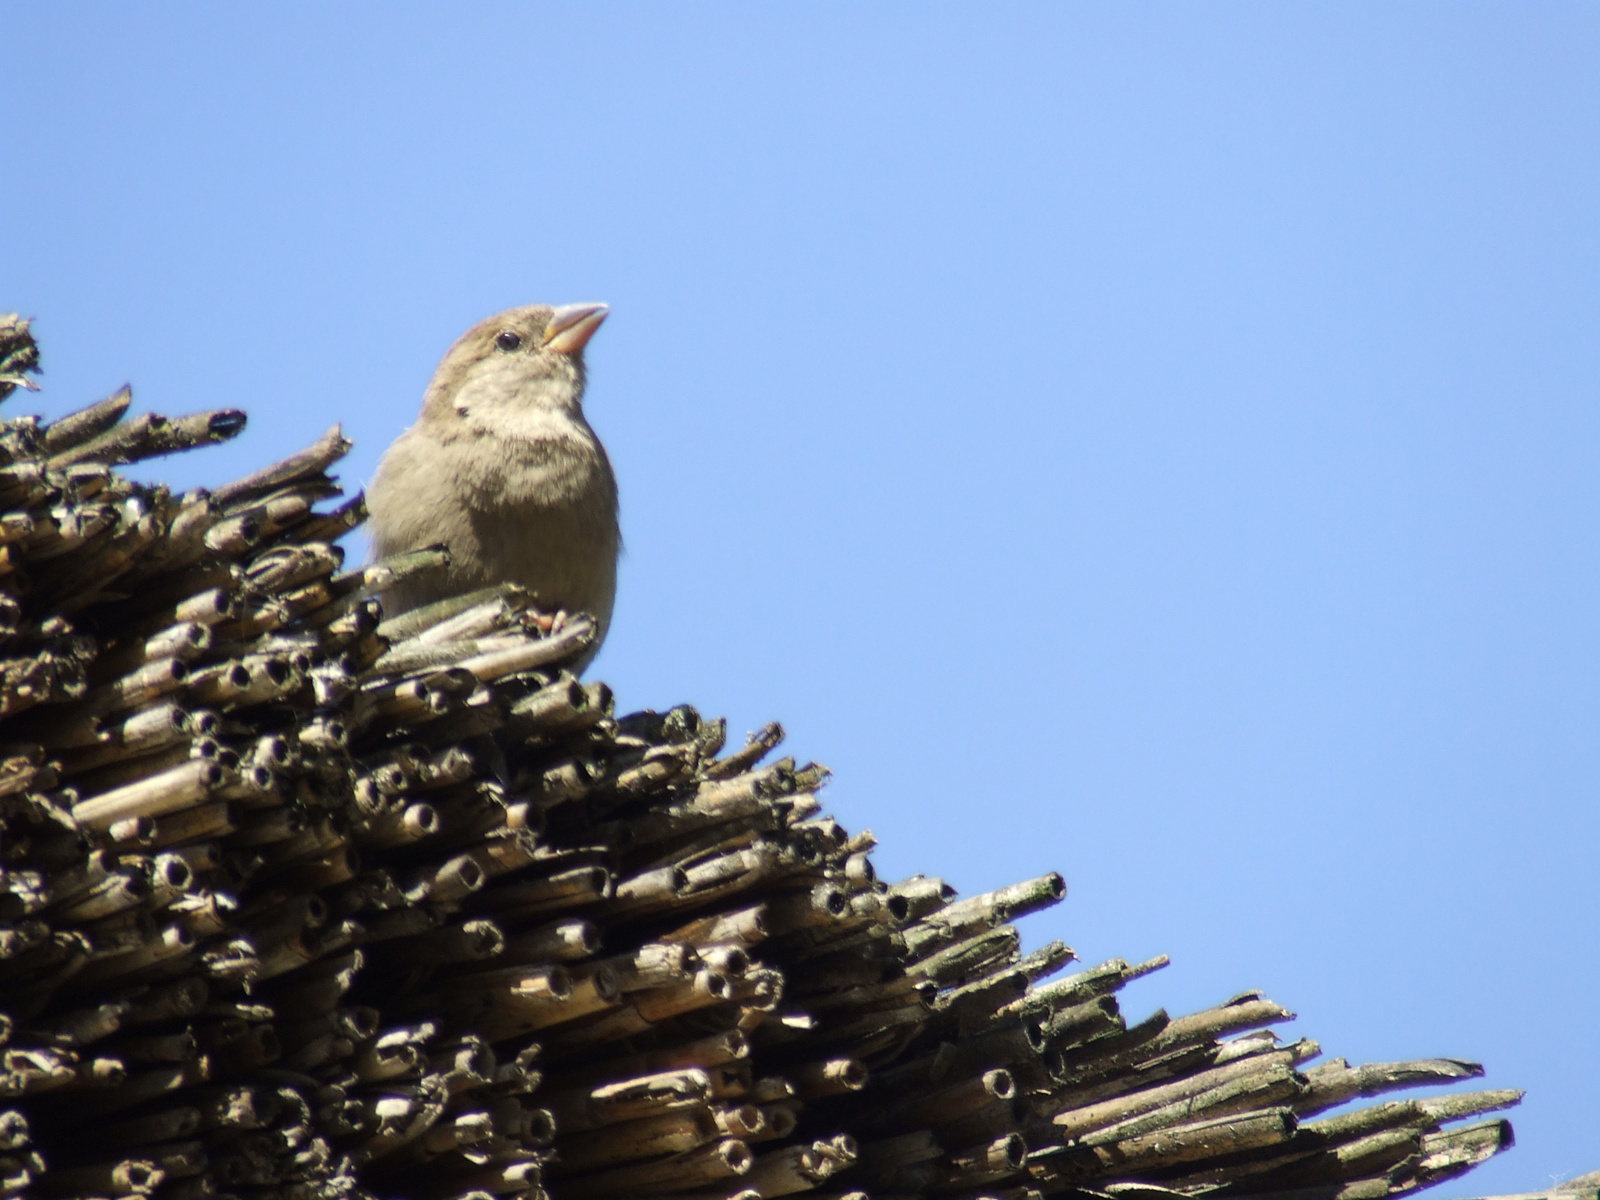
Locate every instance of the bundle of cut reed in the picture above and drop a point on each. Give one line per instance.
(301, 902)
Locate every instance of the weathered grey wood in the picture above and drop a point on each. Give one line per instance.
(313, 460)
(1335, 1082)
(149, 436)
(77, 427)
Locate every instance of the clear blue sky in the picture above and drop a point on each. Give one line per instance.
(1155, 441)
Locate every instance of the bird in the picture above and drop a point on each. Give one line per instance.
(503, 470)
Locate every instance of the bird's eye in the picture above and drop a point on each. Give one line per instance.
(508, 339)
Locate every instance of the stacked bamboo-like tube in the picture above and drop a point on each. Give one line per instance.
(303, 902)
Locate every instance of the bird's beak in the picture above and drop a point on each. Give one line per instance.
(572, 325)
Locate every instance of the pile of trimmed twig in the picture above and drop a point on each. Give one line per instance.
(302, 902)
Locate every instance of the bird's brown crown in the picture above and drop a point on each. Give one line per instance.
(534, 345)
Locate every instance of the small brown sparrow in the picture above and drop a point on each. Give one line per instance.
(502, 468)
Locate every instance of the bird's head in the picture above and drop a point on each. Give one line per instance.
(513, 367)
